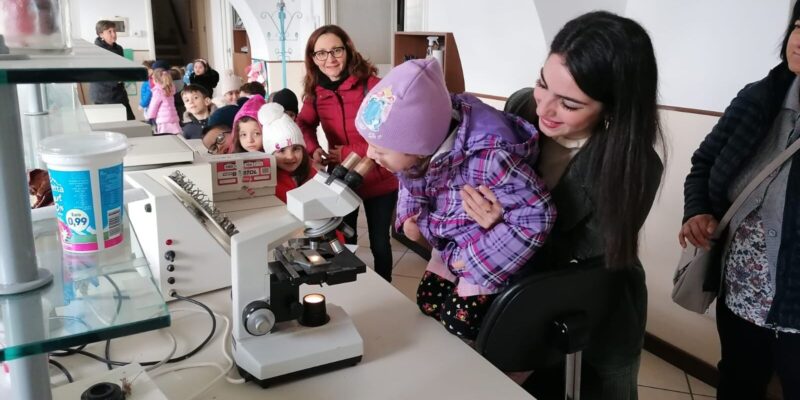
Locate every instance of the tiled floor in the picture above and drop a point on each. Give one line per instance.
(658, 380)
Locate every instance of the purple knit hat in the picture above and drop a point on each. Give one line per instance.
(249, 109)
(409, 110)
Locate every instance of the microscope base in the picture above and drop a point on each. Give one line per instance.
(292, 350)
(265, 383)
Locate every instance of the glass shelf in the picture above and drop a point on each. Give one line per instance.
(93, 297)
(65, 116)
(84, 62)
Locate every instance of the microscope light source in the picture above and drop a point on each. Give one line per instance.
(314, 310)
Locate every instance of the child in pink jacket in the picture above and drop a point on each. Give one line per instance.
(162, 106)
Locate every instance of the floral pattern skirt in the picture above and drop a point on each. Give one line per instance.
(461, 316)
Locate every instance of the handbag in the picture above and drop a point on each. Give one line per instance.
(688, 289)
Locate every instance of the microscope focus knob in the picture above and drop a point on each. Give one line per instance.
(258, 318)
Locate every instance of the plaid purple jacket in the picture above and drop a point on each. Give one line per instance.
(496, 150)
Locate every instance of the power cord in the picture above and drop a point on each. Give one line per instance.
(171, 360)
(224, 372)
(62, 368)
(67, 352)
(107, 353)
(224, 345)
(119, 306)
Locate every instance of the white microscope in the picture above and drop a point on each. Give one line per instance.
(276, 336)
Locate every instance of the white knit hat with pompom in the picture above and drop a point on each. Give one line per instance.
(277, 129)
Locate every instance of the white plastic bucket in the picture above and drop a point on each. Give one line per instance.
(87, 184)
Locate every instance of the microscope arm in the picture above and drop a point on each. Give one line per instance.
(250, 251)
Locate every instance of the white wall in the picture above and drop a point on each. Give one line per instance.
(261, 21)
(708, 50)
(85, 14)
(370, 24)
(660, 251)
(554, 14)
(415, 17)
(219, 35)
(501, 44)
(295, 72)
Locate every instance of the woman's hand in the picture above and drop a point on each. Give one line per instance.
(698, 230)
(335, 155)
(411, 230)
(319, 159)
(459, 265)
(482, 205)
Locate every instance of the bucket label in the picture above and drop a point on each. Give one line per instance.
(76, 207)
(111, 201)
(72, 195)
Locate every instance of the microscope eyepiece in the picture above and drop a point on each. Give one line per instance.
(355, 177)
(340, 171)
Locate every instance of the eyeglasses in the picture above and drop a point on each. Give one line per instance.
(322, 55)
(217, 142)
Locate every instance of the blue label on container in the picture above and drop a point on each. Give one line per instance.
(111, 201)
(72, 195)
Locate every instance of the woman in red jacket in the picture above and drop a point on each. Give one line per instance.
(337, 79)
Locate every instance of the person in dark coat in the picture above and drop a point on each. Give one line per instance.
(599, 159)
(205, 76)
(109, 92)
(758, 274)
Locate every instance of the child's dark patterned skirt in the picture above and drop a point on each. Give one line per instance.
(461, 316)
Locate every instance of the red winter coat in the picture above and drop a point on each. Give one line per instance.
(286, 182)
(336, 111)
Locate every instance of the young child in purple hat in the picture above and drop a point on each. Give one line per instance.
(436, 144)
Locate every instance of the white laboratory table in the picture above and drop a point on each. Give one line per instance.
(406, 354)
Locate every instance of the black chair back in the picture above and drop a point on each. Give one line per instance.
(543, 316)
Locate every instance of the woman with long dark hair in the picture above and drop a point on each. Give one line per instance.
(595, 103)
(758, 307)
(337, 79)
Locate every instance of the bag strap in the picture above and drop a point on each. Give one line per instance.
(762, 175)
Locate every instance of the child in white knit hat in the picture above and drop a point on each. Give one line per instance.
(228, 89)
(282, 138)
